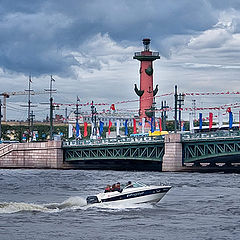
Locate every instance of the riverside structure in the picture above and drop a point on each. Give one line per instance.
(175, 152)
(146, 91)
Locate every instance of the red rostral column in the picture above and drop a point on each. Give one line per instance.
(146, 92)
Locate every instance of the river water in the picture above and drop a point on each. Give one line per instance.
(50, 204)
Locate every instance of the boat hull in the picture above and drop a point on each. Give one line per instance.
(155, 198)
(143, 196)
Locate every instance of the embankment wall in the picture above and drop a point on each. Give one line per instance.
(32, 155)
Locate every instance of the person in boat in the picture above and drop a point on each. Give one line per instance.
(107, 188)
(129, 184)
(113, 188)
(118, 187)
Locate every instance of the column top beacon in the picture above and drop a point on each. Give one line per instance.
(146, 43)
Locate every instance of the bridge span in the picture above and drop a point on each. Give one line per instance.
(175, 152)
(118, 154)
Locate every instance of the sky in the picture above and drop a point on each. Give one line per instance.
(88, 47)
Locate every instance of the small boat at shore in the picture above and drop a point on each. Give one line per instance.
(135, 193)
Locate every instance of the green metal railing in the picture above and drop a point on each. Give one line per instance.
(210, 135)
(210, 151)
(118, 140)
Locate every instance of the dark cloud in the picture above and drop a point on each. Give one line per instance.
(223, 4)
(39, 36)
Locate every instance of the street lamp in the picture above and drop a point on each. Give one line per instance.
(180, 100)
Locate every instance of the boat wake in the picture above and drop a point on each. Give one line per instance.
(72, 203)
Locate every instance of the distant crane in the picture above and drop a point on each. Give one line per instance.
(8, 94)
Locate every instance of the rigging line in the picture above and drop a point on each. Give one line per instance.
(39, 111)
(16, 109)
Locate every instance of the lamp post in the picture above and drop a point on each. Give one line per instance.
(178, 102)
(31, 125)
(51, 90)
(77, 118)
(175, 108)
(29, 109)
(51, 118)
(181, 97)
(94, 119)
(164, 108)
(154, 113)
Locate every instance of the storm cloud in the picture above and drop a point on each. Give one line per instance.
(40, 36)
(88, 45)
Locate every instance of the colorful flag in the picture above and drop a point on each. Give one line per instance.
(101, 124)
(85, 129)
(70, 130)
(112, 107)
(78, 135)
(228, 109)
(152, 124)
(126, 127)
(182, 126)
(117, 127)
(24, 137)
(143, 125)
(92, 129)
(134, 126)
(200, 121)
(109, 127)
(191, 125)
(160, 124)
(98, 133)
(230, 120)
(210, 120)
(220, 119)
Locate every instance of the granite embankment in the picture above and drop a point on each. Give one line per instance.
(32, 155)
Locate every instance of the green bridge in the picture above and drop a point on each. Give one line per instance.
(212, 149)
(172, 153)
(121, 153)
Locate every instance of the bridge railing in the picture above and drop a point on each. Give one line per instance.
(113, 140)
(210, 135)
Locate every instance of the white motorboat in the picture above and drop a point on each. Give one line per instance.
(134, 193)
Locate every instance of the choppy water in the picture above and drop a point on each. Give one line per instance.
(50, 204)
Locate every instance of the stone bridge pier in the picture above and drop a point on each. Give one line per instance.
(173, 156)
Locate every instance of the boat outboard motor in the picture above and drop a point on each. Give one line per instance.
(92, 199)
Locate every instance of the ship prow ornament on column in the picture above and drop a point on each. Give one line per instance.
(146, 91)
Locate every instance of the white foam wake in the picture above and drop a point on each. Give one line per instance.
(70, 203)
(13, 207)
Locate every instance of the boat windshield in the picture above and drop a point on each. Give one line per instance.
(135, 185)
